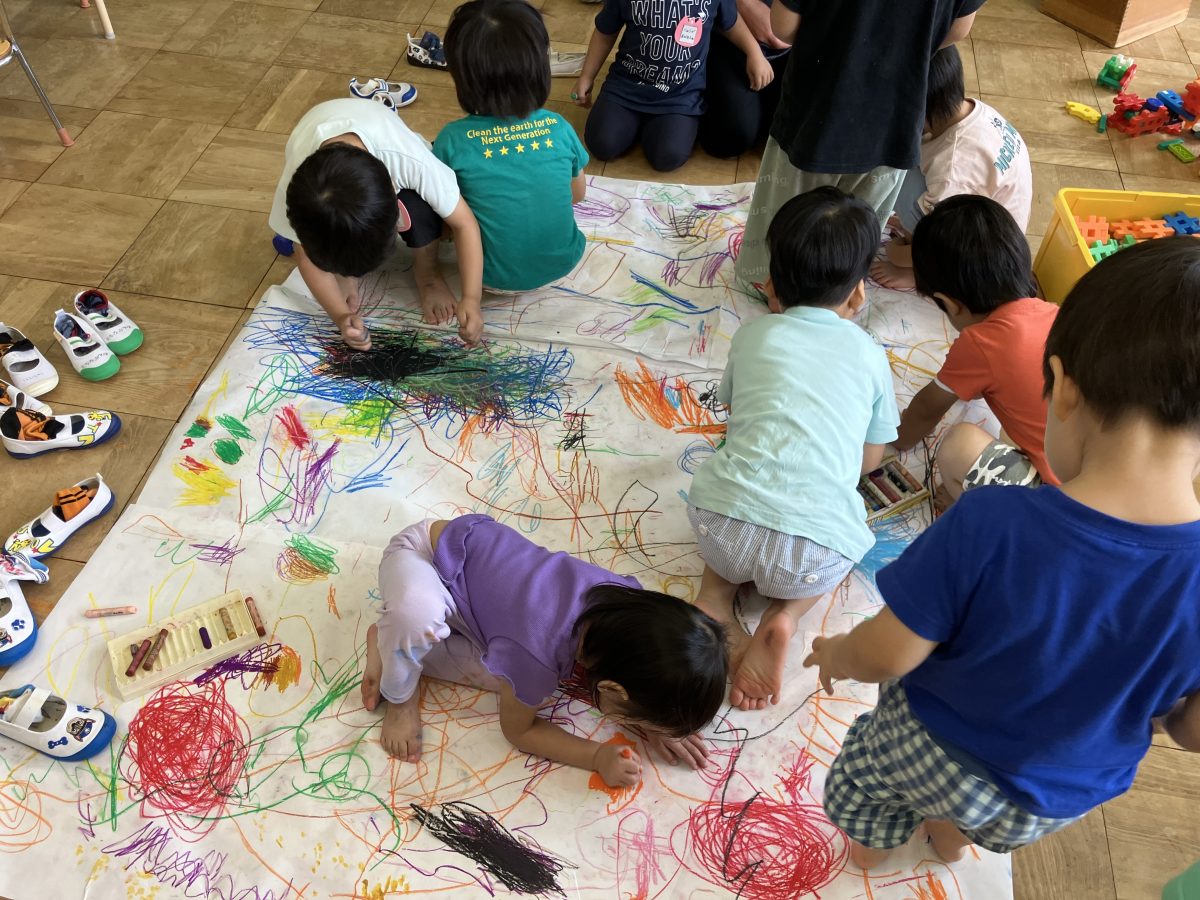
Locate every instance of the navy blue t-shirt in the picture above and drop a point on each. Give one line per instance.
(660, 62)
(1061, 631)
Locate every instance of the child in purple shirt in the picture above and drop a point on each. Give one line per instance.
(474, 602)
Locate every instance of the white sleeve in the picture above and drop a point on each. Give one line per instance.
(278, 219)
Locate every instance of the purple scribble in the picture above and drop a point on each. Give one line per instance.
(254, 661)
(221, 554)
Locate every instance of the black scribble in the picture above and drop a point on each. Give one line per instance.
(574, 431)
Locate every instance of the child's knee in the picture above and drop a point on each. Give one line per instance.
(958, 450)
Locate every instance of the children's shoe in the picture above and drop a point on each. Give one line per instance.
(84, 347)
(116, 328)
(73, 508)
(400, 93)
(65, 731)
(565, 65)
(427, 52)
(26, 433)
(18, 630)
(27, 368)
(13, 397)
(18, 567)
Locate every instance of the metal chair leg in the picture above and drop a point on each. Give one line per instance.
(63, 135)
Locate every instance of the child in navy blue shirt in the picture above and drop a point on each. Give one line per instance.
(1031, 638)
(655, 86)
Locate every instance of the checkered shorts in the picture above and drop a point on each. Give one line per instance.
(1002, 463)
(891, 775)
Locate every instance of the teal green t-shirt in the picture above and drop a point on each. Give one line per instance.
(515, 174)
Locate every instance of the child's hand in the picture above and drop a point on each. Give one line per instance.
(618, 766)
(692, 751)
(470, 322)
(759, 71)
(354, 331)
(823, 650)
(582, 95)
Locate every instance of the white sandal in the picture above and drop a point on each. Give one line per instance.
(11, 395)
(73, 508)
(27, 368)
(49, 724)
(398, 93)
(18, 629)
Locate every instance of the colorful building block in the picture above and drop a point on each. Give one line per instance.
(1089, 114)
(1121, 229)
(1103, 250)
(1191, 98)
(1102, 125)
(1172, 101)
(1145, 122)
(1128, 241)
(1181, 223)
(1182, 153)
(1124, 103)
(1163, 145)
(1144, 229)
(1116, 72)
(1175, 127)
(1093, 228)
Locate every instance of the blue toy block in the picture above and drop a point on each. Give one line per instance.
(1172, 101)
(282, 245)
(1182, 223)
(1153, 104)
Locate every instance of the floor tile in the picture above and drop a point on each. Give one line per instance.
(138, 23)
(748, 165)
(1049, 179)
(438, 16)
(1069, 863)
(383, 10)
(341, 43)
(68, 234)
(309, 5)
(1163, 45)
(40, 18)
(1014, 9)
(1189, 34)
(156, 380)
(966, 50)
(43, 597)
(569, 20)
(28, 141)
(1181, 185)
(192, 88)
(238, 30)
(422, 76)
(1041, 32)
(1037, 73)
(1140, 156)
(277, 274)
(196, 252)
(700, 169)
(239, 170)
(436, 106)
(1053, 136)
(77, 72)
(284, 95)
(121, 153)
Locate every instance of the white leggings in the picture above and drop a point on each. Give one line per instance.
(419, 629)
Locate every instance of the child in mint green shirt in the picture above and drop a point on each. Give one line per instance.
(519, 166)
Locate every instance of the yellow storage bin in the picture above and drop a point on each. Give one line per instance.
(1064, 258)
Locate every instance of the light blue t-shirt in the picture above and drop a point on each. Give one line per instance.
(806, 389)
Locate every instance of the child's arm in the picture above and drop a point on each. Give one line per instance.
(922, 415)
(1183, 723)
(785, 22)
(872, 456)
(338, 297)
(877, 650)
(464, 229)
(758, 70)
(599, 47)
(578, 188)
(529, 732)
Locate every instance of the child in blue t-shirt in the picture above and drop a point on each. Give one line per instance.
(655, 86)
(811, 406)
(519, 166)
(1032, 638)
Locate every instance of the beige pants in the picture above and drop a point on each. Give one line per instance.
(779, 181)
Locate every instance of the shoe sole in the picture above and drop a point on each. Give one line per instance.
(41, 387)
(111, 500)
(102, 372)
(10, 656)
(129, 344)
(108, 436)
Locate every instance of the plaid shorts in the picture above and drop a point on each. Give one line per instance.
(1002, 463)
(892, 775)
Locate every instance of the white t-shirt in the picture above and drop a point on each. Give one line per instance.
(406, 154)
(983, 154)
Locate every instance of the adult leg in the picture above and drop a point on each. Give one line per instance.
(668, 141)
(611, 129)
(879, 188)
(733, 114)
(422, 236)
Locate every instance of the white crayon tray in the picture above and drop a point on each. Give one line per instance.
(183, 652)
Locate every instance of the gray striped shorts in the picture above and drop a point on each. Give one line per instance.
(782, 566)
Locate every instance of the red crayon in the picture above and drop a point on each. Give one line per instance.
(137, 660)
(155, 648)
(255, 617)
(881, 482)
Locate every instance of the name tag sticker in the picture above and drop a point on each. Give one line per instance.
(689, 31)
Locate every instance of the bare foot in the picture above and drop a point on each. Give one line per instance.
(372, 672)
(890, 275)
(948, 842)
(867, 857)
(759, 677)
(437, 301)
(401, 734)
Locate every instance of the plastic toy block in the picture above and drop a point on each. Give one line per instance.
(1182, 153)
(1116, 72)
(1093, 228)
(1124, 102)
(1182, 223)
(1102, 125)
(1089, 114)
(1153, 104)
(1103, 250)
(1163, 145)
(1175, 127)
(1120, 229)
(1146, 122)
(1151, 228)
(1191, 98)
(1128, 241)
(1172, 101)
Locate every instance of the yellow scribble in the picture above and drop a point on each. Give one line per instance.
(331, 601)
(397, 885)
(204, 483)
(286, 672)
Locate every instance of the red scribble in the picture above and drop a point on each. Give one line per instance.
(618, 797)
(185, 754)
(187, 444)
(294, 429)
(194, 465)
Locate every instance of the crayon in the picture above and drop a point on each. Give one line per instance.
(875, 492)
(143, 649)
(872, 503)
(228, 623)
(155, 649)
(899, 483)
(133, 649)
(907, 476)
(255, 617)
(886, 489)
(205, 639)
(102, 612)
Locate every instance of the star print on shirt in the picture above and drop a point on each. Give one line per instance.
(534, 145)
(504, 151)
(487, 154)
(520, 148)
(549, 142)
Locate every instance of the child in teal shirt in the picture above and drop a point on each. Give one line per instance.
(519, 166)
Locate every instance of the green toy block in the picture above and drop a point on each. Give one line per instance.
(1102, 125)
(1113, 71)
(1182, 153)
(1128, 241)
(1166, 145)
(1102, 250)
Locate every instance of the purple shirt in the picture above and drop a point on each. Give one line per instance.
(519, 601)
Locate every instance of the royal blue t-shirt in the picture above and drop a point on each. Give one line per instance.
(660, 62)
(1061, 631)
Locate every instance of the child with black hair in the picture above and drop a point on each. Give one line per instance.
(354, 176)
(1033, 641)
(655, 86)
(968, 148)
(509, 152)
(649, 660)
(970, 257)
(811, 407)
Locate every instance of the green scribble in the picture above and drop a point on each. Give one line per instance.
(318, 555)
(655, 318)
(271, 389)
(228, 450)
(235, 427)
(369, 416)
(199, 428)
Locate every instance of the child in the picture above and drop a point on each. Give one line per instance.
(655, 86)
(353, 176)
(1031, 639)
(968, 148)
(811, 408)
(509, 152)
(851, 107)
(649, 660)
(971, 258)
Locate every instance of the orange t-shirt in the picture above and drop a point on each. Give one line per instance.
(1000, 360)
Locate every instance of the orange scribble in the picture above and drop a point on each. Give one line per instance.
(286, 671)
(931, 889)
(618, 797)
(668, 402)
(331, 601)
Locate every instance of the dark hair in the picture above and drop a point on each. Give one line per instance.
(498, 53)
(821, 245)
(1129, 334)
(671, 658)
(946, 90)
(970, 248)
(342, 203)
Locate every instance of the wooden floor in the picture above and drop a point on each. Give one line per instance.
(180, 125)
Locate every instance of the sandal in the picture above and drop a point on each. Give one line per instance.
(427, 52)
(27, 368)
(19, 567)
(18, 630)
(392, 94)
(13, 396)
(26, 433)
(73, 508)
(65, 731)
(116, 329)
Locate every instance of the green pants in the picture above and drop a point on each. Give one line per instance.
(779, 181)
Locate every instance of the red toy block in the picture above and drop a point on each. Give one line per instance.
(1175, 128)
(1120, 229)
(1147, 122)
(1151, 228)
(1191, 98)
(1093, 228)
(1124, 103)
